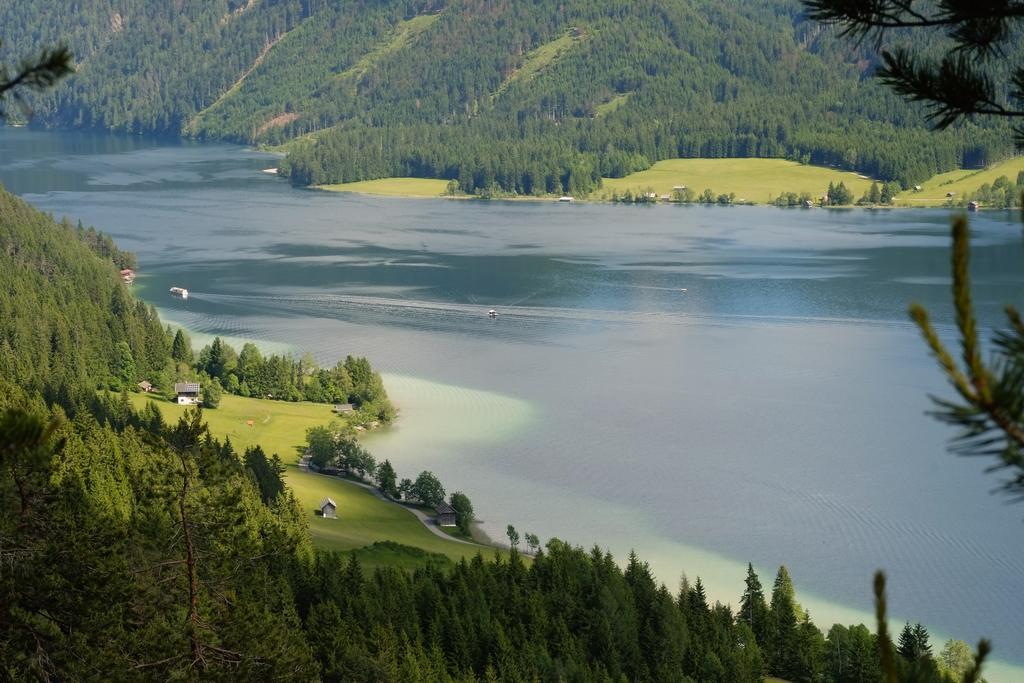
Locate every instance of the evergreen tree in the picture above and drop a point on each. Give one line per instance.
(181, 348)
(753, 607)
(907, 647)
(922, 647)
(387, 479)
(125, 370)
(782, 650)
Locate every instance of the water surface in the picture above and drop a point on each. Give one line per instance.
(709, 386)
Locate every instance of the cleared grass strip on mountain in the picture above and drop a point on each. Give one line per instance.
(539, 59)
(403, 34)
(237, 85)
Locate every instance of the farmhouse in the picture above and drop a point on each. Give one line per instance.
(445, 514)
(187, 393)
(329, 509)
(343, 408)
(145, 387)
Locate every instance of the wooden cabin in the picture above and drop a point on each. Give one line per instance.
(445, 514)
(145, 387)
(187, 393)
(343, 408)
(328, 509)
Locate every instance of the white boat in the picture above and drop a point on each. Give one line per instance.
(566, 199)
(492, 313)
(179, 291)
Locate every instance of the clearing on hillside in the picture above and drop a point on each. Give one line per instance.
(363, 519)
(538, 59)
(393, 187)
(961, 183)
(756, 181)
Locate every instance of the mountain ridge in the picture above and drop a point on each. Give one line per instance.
(531, 98)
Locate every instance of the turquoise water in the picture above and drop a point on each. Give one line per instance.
(709, 386)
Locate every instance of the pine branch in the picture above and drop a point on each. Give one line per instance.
(37, 74)
(891, 671)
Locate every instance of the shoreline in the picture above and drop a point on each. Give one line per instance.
(552, 199)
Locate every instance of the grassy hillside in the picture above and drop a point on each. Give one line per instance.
(962, 183)
(363, 519)
(754, 180)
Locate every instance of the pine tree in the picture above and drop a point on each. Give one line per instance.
(387, 479)
(782, 632)
(907, 647)
(753, 607)
(181, 348)
(921, 645)
(874, 194)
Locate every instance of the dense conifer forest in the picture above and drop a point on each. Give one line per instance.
(132, 549)
(503, 97)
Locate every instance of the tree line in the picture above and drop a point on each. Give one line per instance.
(220, 368)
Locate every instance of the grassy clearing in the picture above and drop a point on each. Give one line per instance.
(279, 427)
(962, 183)
(754, 180)
(537, 60)
(393, 187)
(404, 32)
(612, 104)
(363, 519)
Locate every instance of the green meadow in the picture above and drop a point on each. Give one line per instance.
(393, 187)
(363, 519)
(961, 183)
(756, 181)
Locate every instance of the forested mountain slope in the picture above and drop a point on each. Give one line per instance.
(531, 97)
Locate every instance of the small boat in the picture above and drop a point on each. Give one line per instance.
(492, 313)
(566, 199)
(180, 292)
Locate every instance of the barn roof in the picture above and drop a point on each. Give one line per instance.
(186, 387)
(444, 508)
(328, 501)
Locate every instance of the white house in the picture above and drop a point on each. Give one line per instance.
(187, 392)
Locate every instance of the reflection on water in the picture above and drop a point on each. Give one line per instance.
(709, 386)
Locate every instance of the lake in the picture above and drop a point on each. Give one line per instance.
(706, 385)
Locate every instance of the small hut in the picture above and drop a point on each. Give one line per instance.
(145, 387)
(344, 408)
(329, 509)
(445, 514)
